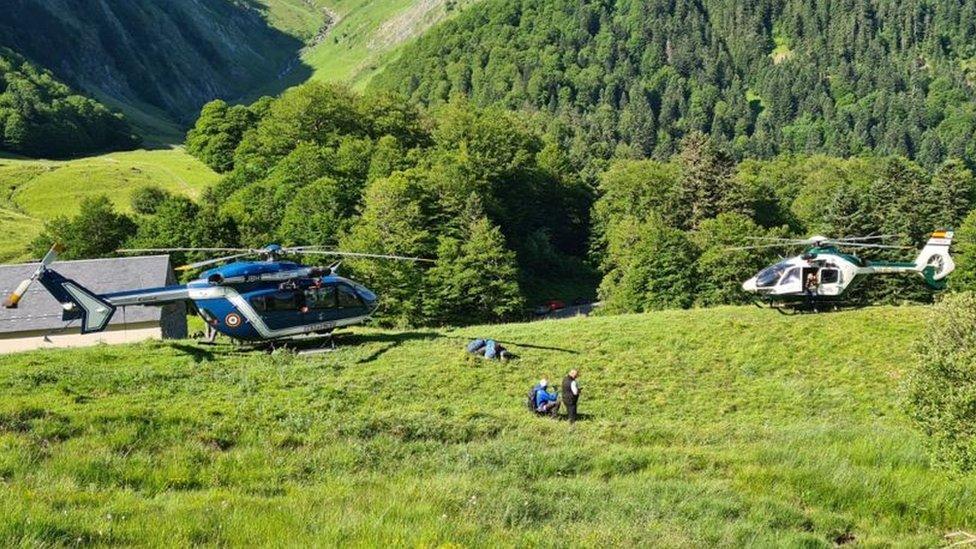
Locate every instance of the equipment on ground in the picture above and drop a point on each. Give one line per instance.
(255, 301)
(819, 278)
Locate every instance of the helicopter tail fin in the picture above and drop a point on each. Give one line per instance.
(934, 261)
(77, 301)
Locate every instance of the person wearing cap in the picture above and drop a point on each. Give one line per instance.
(571, 393)
(546, 402)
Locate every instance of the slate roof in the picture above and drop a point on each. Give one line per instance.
(38, 310)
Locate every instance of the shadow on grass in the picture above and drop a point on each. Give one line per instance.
(392, 340)
(198, 354)
(542, 347)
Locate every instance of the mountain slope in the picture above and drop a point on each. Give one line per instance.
(35, 191)
(39, 115)
(362, 36)
(844, 77)
(157, 62)
(728, 426)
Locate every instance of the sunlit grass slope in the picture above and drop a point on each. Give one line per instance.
(729, 426)
(368, 33)
(34, 191)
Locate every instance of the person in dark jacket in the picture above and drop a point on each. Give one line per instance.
(546, 402)
(571, 393)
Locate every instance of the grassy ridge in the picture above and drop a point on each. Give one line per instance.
(725, 426)
(34, 191)
(368, 33)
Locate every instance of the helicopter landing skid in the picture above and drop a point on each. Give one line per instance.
(302, 345)
(806, 306)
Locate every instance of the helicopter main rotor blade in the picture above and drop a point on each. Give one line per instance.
(873, 237)
(308, 250)
(761, 246)
(776, 239)
(144, 250)
(866, 245)
(198, 264)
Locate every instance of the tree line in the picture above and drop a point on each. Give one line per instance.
(42, 117)
(663, 231)
(495, 200)
(479, 190)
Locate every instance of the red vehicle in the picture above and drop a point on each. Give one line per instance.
(550, 306)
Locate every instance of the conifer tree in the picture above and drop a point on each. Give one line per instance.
(394, 221)
(475, 279)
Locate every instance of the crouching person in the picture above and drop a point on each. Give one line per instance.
(546, 402)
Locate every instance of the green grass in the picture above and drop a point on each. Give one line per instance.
(299, 18)
(33, 191)
(730, 426)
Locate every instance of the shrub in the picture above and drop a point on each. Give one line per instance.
(146, 199)
(942, 387)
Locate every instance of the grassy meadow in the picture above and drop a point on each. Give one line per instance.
(368, 33)
(729, 426)
(34, 191)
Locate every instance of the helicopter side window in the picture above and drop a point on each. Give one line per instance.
(829, 276)
(321, 298)
(770, 275)
(348, 297)
(288, 300)
(791, 277)
(260, 303)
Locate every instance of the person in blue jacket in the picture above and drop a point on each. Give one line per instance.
(546, 402)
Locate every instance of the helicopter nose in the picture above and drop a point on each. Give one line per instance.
(749, 285)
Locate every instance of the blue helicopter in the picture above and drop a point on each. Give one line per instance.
(253, 301)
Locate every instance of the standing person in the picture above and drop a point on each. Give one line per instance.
(571, 393)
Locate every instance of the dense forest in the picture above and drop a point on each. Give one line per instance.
(41, 116)
(631, 78)
(495, 201)
(478, 190)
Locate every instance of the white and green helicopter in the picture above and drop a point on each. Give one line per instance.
(819, 278)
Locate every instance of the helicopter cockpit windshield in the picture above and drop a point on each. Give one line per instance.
(768, 277)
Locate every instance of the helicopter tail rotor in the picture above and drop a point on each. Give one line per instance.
(934, 261)
(14, 298)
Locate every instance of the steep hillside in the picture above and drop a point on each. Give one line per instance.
(34, 191)
(728, 426)
(361, 36)
(632, 78)
(158, 63)
(41, 116)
